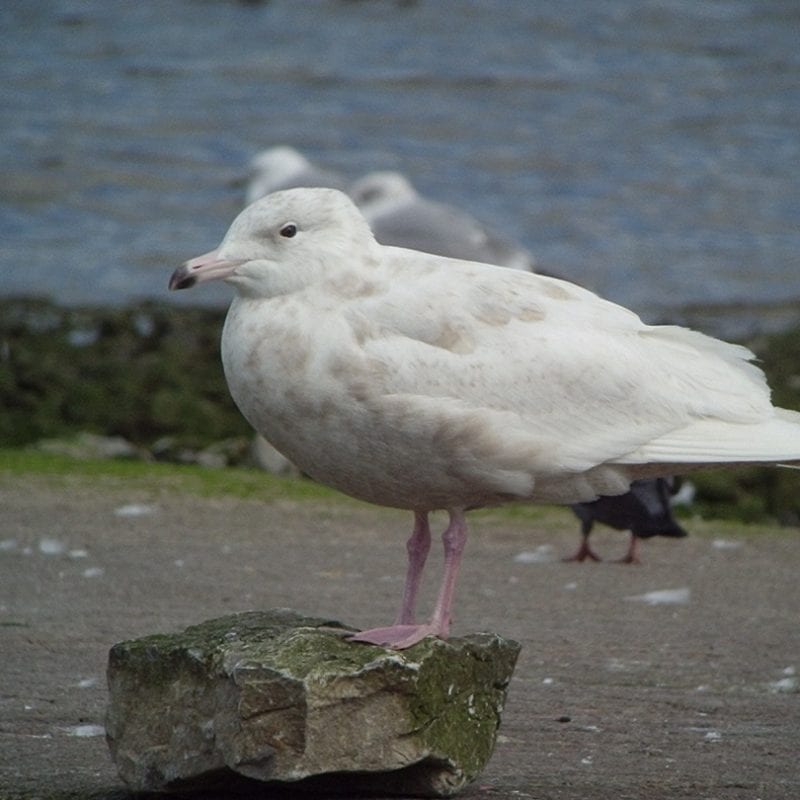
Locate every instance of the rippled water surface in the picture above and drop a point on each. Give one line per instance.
(650, 150)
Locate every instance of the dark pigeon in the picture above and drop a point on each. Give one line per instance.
(645, 511)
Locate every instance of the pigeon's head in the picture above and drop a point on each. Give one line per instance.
(283, 242)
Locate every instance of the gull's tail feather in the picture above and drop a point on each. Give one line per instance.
(708, 442)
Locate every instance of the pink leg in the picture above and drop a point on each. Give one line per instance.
(583, 552)
(632, 556)
(402, 635)
(454, 538)
(417, 546)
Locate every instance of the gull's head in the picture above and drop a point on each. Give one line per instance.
(276, 168)
(278, 163)
(382, 191)
(283, 242)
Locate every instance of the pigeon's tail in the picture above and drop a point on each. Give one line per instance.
(709, 442)
(660, 526)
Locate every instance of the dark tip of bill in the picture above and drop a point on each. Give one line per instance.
(182, 279)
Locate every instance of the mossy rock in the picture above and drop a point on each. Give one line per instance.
(282, 698)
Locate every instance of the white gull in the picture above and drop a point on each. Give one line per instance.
(400, 216)
(283, 167)
(420, 382)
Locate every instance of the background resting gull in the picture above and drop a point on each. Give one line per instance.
(283, 167)
(400, 216)
(412, 381)
(397, 213)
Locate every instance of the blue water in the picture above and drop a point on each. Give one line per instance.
(649, 150)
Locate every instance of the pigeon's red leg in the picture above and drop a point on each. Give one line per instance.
(417, 546)
(583, 552)
(632, 556)
(400, 636)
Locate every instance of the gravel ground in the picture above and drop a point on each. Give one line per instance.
(613, 697)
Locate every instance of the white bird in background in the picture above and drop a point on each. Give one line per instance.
(283, 167)
(400, 216)
(397, 213)
(419, 382)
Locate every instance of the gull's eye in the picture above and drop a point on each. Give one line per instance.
(289, 230)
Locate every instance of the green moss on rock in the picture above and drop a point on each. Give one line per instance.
(280, 697)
